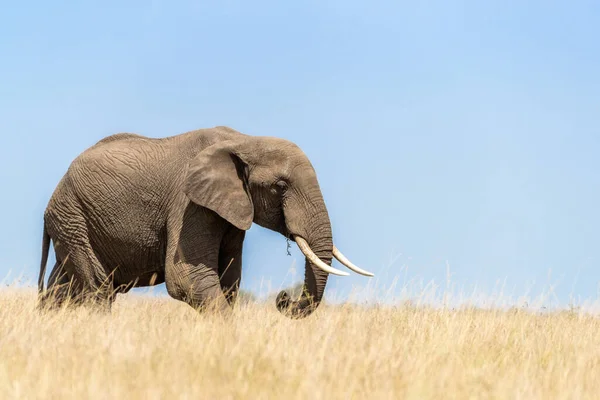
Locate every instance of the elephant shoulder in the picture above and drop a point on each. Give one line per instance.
(121, 136)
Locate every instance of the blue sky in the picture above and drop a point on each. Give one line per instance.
(443, 133)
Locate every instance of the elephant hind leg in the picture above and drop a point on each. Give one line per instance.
(62, 290)
(67, 290)
(81, 278)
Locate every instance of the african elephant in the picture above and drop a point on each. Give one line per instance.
(136, 211)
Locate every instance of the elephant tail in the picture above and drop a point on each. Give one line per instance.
(45, 250)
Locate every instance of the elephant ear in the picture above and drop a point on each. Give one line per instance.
(215, 180)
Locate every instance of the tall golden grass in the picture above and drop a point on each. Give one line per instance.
(153, 347)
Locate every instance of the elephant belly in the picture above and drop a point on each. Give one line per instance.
(127, 229)
(123, 285)
(133, 260)
(133, 248)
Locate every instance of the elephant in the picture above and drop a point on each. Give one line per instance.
(135, 211)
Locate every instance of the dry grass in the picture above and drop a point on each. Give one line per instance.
(160, 348)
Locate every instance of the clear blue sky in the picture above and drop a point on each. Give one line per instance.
(466, 132)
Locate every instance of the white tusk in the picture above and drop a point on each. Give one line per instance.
(312, 257)
(341, 258)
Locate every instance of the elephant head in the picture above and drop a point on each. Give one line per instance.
(271, 182)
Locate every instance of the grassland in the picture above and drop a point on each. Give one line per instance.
(155, 348)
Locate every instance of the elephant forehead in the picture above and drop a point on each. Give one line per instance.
(295, 173)
(267, 144)
(276, 156)
(271, 172)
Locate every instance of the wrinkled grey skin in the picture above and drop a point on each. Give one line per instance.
(135, 211)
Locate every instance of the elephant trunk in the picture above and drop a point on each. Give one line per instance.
(320, 242)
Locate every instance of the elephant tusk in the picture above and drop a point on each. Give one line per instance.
(312, 257)
(342, 259)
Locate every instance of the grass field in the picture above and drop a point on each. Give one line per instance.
(154, 348)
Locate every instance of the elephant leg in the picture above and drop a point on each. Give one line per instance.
(58, 275)
(230, 263)
(69, 290)
(196, 284)
(81, 278)
(192, 265)
(57, 290)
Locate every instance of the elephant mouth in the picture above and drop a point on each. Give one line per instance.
(315, 260)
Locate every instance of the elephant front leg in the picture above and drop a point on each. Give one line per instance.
(192, 264)
(230, 263)
(197, 284)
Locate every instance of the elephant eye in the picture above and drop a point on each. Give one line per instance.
(282, 185)
(279, 188)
